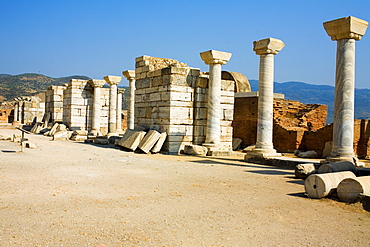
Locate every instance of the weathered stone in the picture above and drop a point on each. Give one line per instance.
(149, 140)
(236, 143)
(338, 167)
(195, 150)
(321, 185)
(61, 136)
(349, 189)
(327, 150)
(308, 154)
(131, 139)
(304, 170)
(158, 146)
(101, 141)
(30, 145)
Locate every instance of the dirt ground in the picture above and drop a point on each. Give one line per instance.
(68, 193)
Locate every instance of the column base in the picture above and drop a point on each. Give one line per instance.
(259, 154)
(335, 159)
(217, 149)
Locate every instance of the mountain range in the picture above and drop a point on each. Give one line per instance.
(12, 86)
(320, 94)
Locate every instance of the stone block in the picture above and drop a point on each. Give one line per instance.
(304, 170)
(101, 141)
(195, 150)
(131, 139)
(62, 135)
(149, 141)
(236, 143)
(158, 146)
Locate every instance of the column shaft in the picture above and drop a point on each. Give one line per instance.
(16, 106)
(131, 106)
(112, 124)
(265, 102)
(96, 110)
(213, 131)
(344, 99)
(119, 112)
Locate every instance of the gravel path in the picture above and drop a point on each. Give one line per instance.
(68, 193)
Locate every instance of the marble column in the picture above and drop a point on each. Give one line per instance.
(113, 81)
(214, 59)
(266, 49)
(345, 31)
(120, 91)
(130, 75)
(96, 109)
(16, 110)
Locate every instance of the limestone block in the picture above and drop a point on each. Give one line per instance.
(307, 154)
(181, 89)
(101, 141)
(338, 167)
(195, 150)
(236, 143)
(350, 189)
(187, 138)
(228, 114)
(227, 88)
(131, 139)
(199, 131)
(155, 97)
(149, 141)
(180, 96)
(227, 100)
(321, 185)
(200, 113)
(188, 104)
(304, 170)
(327, 150)
(61, 136)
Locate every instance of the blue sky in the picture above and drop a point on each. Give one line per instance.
(98, 38)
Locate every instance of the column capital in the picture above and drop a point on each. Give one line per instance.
(268, 46)
(96, 83)
(129, 74)
(346, 28)
(121, 90)
(215, 57)
(113, 80)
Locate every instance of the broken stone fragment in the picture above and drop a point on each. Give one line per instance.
(307, 154)
(195, 150)
(30, 145)
(304, 170)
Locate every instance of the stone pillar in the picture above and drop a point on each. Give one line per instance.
(16, 110)
(96, 110)
(266, 49)
(113, 81)
(213, 131)
(119, 109)
(345, 31)
(130, 75)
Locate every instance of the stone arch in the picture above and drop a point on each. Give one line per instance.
(241, 82)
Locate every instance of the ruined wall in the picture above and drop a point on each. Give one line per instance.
(54, 103)
(32, 109)
(291, 120)
(171, 97)
(77, 105)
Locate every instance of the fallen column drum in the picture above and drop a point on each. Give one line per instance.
(349, 189)
(321, 185)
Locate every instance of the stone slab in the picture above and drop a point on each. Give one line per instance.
(149, 141)
(158, 146)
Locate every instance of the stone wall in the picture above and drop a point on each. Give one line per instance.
(291, 120)
(172, 97)
(77, 105)
(54, 103)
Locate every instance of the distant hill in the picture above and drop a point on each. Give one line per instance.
(29, 84)
(320, 94)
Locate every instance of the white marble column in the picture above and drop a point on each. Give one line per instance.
(213, 131)
(266, 49)
(96, 110)
(120, 91)
(130, 75)
(345, 31)
(16, 110)
(113, 81)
